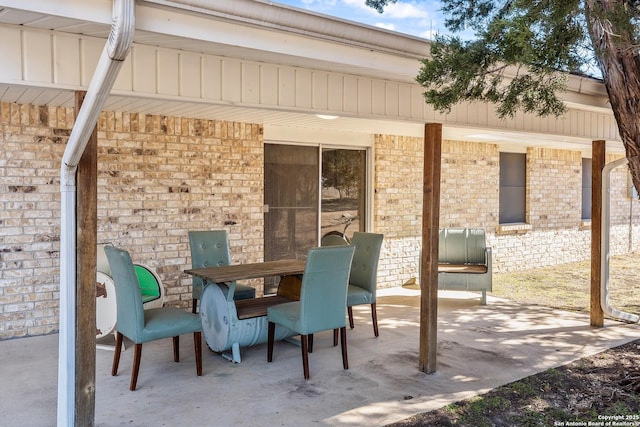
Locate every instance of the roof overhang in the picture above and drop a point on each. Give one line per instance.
(270, 33)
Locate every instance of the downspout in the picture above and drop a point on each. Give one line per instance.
(604, 254)
(109, 64)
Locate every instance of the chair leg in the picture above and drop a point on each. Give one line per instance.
(136, 366)
(350, 311)
(271, 336)
(176, 349)
(343, 344)
(194, 305)
(197, 343)
(374, 318)
(310, 340)
(335, 337)
(305, 356)
(116, 354)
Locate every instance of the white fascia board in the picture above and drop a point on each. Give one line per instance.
(198, 27)
(93, 10)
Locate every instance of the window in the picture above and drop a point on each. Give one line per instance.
(586, 189)
(513, 185)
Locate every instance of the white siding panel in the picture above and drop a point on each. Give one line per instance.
(364, 96)
(453, 116)
(66, 54)
(251, 83)
(144, 69)
(286, 86)
(492, 117)
(404, 101)
(573, 122)
(124, 82)
(40, 58)
(190, 75)
(612, 129)
(595, 124)
(268, 84)
(231, 80)
(336, 92)
(482, 113)
(211, 78)
(417, 103)
(168, 72)
(319, 95)
(533, 122)
(351, 91)
(37, 57)
(378, 104)
(303, 88)
(11, 54)
(391, 99)
(91, 50)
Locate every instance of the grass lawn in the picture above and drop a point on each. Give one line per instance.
(567, 286)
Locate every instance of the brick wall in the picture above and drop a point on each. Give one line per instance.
(470, 198)
(554, 188)
(32, 143)
(469, 185)
(397, 210)
(158, 178)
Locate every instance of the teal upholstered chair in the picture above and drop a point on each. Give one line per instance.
(210, 248)
(364, 271)
(142, 326)
(322, 304)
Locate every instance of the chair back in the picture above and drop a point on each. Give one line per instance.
(461, 246)
(323, 295)
(130, 321)
(364, 267)
(209, 248)
(102, 263)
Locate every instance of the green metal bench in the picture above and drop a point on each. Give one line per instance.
(464, 261)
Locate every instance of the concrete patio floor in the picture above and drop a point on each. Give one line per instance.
(479, 348)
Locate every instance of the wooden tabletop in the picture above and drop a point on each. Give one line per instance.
(229, 273)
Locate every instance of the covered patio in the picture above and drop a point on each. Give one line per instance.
(268, 87)
(479, 348)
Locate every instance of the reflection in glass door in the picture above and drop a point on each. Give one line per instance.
(343, 191)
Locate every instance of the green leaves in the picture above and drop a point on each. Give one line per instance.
(517, 60)
(472, 71)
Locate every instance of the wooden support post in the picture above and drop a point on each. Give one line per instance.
(86, 211)
(429, 261)
(597, 164)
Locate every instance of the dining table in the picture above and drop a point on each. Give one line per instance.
(229, 324)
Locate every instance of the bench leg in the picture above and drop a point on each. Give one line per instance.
(484, 297)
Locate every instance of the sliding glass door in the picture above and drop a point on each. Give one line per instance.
(309, 191)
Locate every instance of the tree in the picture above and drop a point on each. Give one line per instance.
(523, 51)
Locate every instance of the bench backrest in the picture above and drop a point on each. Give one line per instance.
(461, 246)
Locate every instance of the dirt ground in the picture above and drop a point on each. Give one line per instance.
(589, 392)
(601, 390)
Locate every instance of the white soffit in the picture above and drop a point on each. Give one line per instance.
(163, 24)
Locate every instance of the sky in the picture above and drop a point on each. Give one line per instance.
(418, 18)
